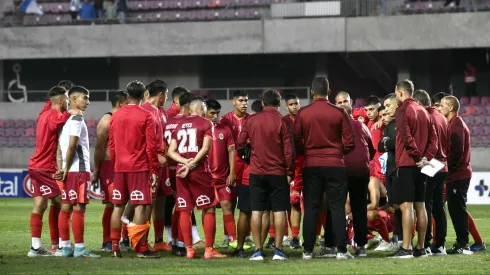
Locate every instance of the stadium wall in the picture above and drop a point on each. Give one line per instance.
(384, 33)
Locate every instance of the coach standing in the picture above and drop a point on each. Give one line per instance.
(326, 136)
(416, 143)
(271, 169)
(459, 176)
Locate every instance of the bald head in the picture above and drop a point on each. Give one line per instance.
(342, 94)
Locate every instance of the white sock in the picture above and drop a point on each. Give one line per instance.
(79, 245)
(36, 243)
(285, 238)
(248, 238)
(168, 230)
(227, 237)
(195, 235)
(60, 243)
(180, 244)
(65, 243)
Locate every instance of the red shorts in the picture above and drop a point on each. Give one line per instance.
(43, 184)
(375, 171)
(223, 192)
(297, 184)
(164, 188)
(196, 190)
(240, 167)
(106, 175)
(75, 188)
(132, 186)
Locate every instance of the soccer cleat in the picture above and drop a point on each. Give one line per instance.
(199, 245)
(428, 251)
(478, 247)
(148, 255)
(106, 247)
(116, 254)
(84, 253)
(437, 251)
(360, 252)
(307, 255)
(239, 253)
(383, 246)
(40, 252)
(295, 243)
(213, 254)
(248, 243)
(402, 253)
(161, 246)
(271, 243)
(279, 255)
(372, 243)
(178, 251)
(58, 252)
(258, 255)
(226, 243)
(459, 249)
(344, 256)
(286, 241)
(420, 253)
(125, 246)
(67, 252)
(326, 252)
(190, 253)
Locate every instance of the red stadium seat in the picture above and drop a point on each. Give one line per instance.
(30, 132)
(475, 100)
(485, 100)
(464, 100)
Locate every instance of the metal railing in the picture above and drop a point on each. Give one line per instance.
(17, 96)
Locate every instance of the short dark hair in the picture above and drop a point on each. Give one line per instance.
(178, 91)
(381, 108)
(423, 97)
(320, 86)
(156, 87)
(406, 85)
(213, 104)
(239, 93)
(271, 98)
(67, 84)
(257, 106)
(391, 96)
(372, 100)
(78, 89)
(438, 97)
(290, 96)
(186, 98)
(119, 96)
(56, 91)
(136, 89)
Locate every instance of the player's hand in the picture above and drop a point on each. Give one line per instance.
(154, 179)
(183, 172)
(75, 112)
(230, 181)
(191, 164)
(378, 125)
(162, 160)
(95, 177)
(423, 162)
(61, 174)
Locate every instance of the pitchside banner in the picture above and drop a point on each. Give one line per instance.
(15, 183)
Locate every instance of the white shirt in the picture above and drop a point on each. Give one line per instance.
(75, 126)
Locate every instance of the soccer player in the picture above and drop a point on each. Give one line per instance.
(436, 100)
(434, 199)
(42, 166)
(76, 176)
(190, 143)
(135, 165)
(271, 169)
(357, 164)
(459, 175)
(175, 108)
(416, 144)
(326, 134)
(155, 97)
(222, 164)
(104, 167)
(296, 190)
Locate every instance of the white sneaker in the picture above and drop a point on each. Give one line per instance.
(441, 251)
(307, 256)
(383, 246)
(286, 241)
(372, 243)
(393, 247)
(344, 256)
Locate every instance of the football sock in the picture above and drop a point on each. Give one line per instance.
(106, 224)
(209, 228)
(230, 226)
(54, 213)
(36, 229)
(272, 231)
(474, 230)
(185, 224)
(295, 231)
(64, 226)
(115, 237)
(125, 231)
(78, 226)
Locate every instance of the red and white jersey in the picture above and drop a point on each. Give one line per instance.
(218, 155)
(234, 123)
(190, 134)
(49, 124)
(376, 136)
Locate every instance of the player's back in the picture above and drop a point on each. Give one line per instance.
(128, 128)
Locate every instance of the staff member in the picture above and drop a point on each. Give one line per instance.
(327, 135)
(271, 169)
(416, 143)
(459, 176)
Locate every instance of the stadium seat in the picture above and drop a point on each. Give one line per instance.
(474, 100)
(464, 100)
(2, 123)
(30, 132)
(480, 110)
(2, 132)
(485, 100)
(469, 120)
(479, 120)
(3, 142)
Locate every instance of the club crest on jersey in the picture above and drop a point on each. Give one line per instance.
(221, 136)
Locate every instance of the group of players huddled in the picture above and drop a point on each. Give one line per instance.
(351, 171)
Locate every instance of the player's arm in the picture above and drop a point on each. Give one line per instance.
(101, 145)
(173, 154)
(402, 125)
(231, 161)
(242, 140)
(59, 157)
(373, 196)
(433, 142)
(112, 146)
(348, 135)
(59, 119)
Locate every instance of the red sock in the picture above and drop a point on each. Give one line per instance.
(106, 224)
(380, 226)
(230, 226)
(272, 231)
(54, 214)
(64, 225)
(185, 225)
(36, 225)
(125, 231)
(209, 228)
(295, 231)
(323, 219)
(78, 225)
(474, 230)
(158, 227)
(286, 228)
(225, 231)
(115, 237)
(433, 231)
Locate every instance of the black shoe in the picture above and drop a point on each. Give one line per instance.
(271, 243)
(116, 254)
(459, 249)
(239, 253)
(420, 253)
(179, 251)
(148, 255)
(402, 253)
(295, 243)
